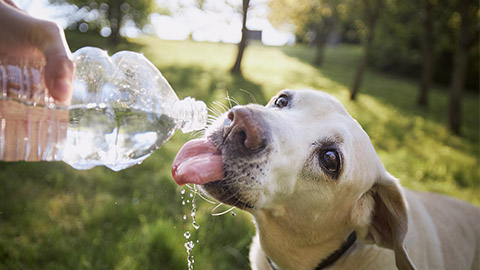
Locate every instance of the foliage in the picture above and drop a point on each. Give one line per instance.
(398, 43)
(110, 15)
(397, 46)
(309, 17)
(53, 217)
(314, 21)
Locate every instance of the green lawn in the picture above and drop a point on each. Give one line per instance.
(53, 217)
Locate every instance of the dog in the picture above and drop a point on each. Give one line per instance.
(319, 194)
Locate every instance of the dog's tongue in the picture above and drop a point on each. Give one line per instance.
(197, 162)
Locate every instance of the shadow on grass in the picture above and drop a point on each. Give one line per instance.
(210, 85)
(397, 92)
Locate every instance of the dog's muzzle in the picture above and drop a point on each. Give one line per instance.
(230, 163)
(244, 131)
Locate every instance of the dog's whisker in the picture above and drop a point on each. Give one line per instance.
(216, 207)
(198, 133)
(252, 97)
(219, 108)
(212, 117)
(205, 198)
(237, 193)
(190, 186)
(211, 120)
(200, 194)
(228, 99)
(232, 100)
(224, 212)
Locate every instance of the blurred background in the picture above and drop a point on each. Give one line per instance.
(407, 70)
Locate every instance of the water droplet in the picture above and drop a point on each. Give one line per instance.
(189, 245)
(135, 201)
(195, 225)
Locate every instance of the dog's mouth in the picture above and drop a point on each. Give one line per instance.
(226, 193)
(200, 162)
(230, 163)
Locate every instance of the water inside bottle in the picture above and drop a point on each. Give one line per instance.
(115, 137)
(31, 133)
(83, 136)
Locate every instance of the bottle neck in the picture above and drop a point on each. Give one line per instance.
(190, 114)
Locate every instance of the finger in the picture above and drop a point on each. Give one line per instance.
(59, 69)
(46, 37)
(11, 3)
(59, 77)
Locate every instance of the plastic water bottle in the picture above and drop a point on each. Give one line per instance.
(121, 111)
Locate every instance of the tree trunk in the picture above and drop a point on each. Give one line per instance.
(115, 18)
(372, 12)
(322, 34)
(320, 49)
(427, 62)
(465, 41)
(236, 69)
(361, 66)
(456, 89)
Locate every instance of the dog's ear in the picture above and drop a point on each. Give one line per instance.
(383, 212)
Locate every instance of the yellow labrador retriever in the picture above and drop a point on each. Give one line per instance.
(319, 195)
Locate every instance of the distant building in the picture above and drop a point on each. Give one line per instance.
(254, 34)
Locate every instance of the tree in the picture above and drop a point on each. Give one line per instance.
(428, 48)
(371, 12)
(112, 14)
(467, 36)
(314, 21)
(418, 39)
(236, 69)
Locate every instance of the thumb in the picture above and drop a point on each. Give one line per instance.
(59, 70)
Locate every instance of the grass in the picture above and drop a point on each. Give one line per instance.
(54, 217)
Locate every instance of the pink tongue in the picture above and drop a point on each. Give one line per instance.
(198, 162)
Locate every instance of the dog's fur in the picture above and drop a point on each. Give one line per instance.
(303, 213)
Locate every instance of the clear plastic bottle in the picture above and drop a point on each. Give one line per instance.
(121, 111)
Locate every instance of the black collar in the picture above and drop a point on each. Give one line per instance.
(332, 258)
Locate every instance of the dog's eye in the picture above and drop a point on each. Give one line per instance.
(281, 101)
(330, 161)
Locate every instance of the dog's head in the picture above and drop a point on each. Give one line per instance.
(301, 156)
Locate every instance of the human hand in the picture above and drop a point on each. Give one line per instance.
(28, 37)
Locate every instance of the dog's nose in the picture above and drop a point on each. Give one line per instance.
(246, 129)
